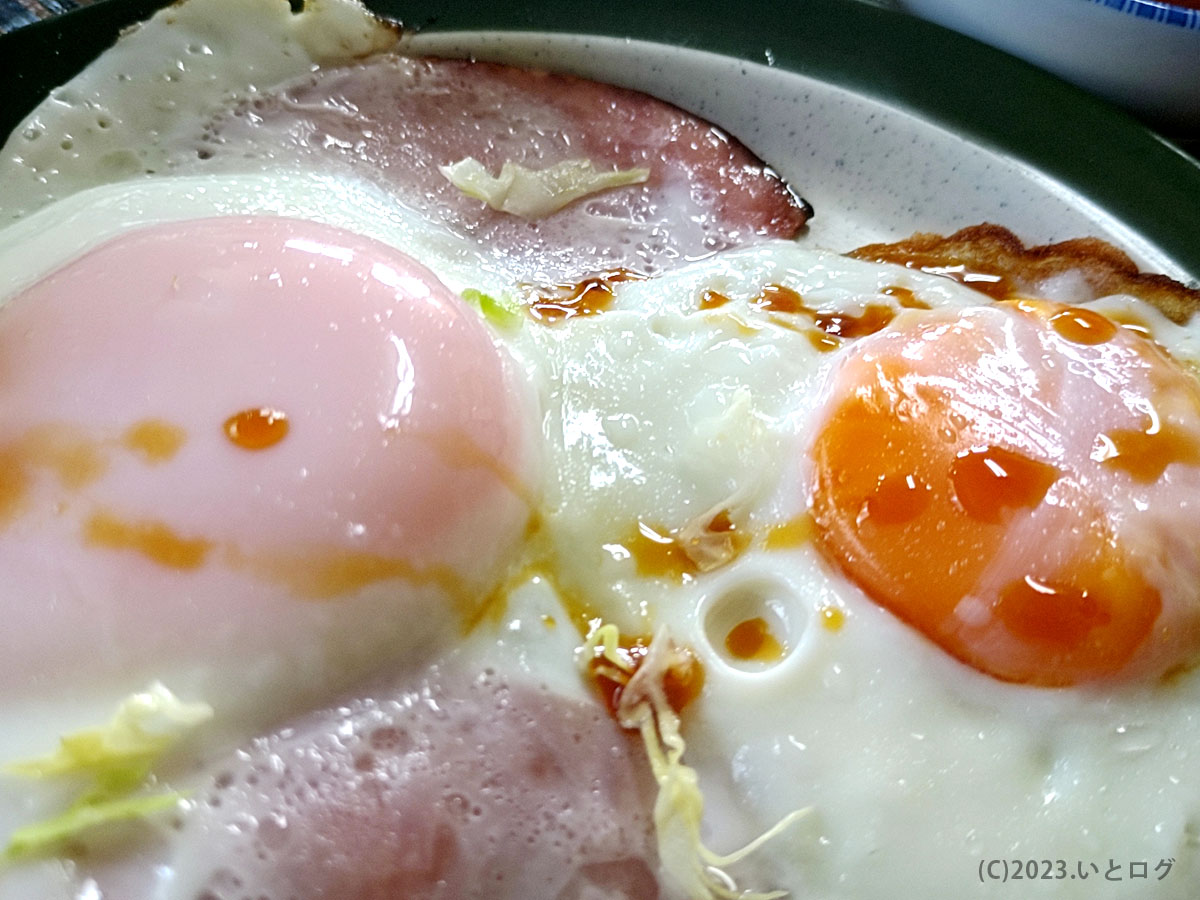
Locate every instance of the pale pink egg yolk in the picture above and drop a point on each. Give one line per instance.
(1020, 483)
(230, 437)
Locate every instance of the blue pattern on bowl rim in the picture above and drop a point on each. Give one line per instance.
(1155, 11)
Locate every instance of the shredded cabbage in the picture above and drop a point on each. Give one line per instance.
(145, 725)
(119, 757)
(695, 871)
(503, 312)
(534, 194)
(49, 834)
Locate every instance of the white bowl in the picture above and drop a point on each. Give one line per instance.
(1142, 54)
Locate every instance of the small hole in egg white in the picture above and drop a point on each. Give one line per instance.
(751, 625)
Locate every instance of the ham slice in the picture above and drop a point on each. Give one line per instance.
(395, 120)
(455, 788)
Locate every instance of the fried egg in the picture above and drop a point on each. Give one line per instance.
(259, 448)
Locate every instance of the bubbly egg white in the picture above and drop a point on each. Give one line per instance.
(915, 767)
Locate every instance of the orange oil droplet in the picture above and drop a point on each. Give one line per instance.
(874, 318)
(986, 482)
(154, 440)
(753, 640)
(154, 540)
(588, 297)
(75, 459)
(777, 298)
(257, 429)
(1145, 455)
(549, 621)
(682, 553)
(822, 342)
(897, 499)
(1086, 620)
(794, 533)
(832, 618)
(1050, 612)
(712, 300)
(659, 554)
(14, 484)
(1083, 326)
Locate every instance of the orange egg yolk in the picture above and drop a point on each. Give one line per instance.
(956, 480)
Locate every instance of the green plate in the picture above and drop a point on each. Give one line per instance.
(988, 98)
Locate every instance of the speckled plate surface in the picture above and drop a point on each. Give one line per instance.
(886, 124)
